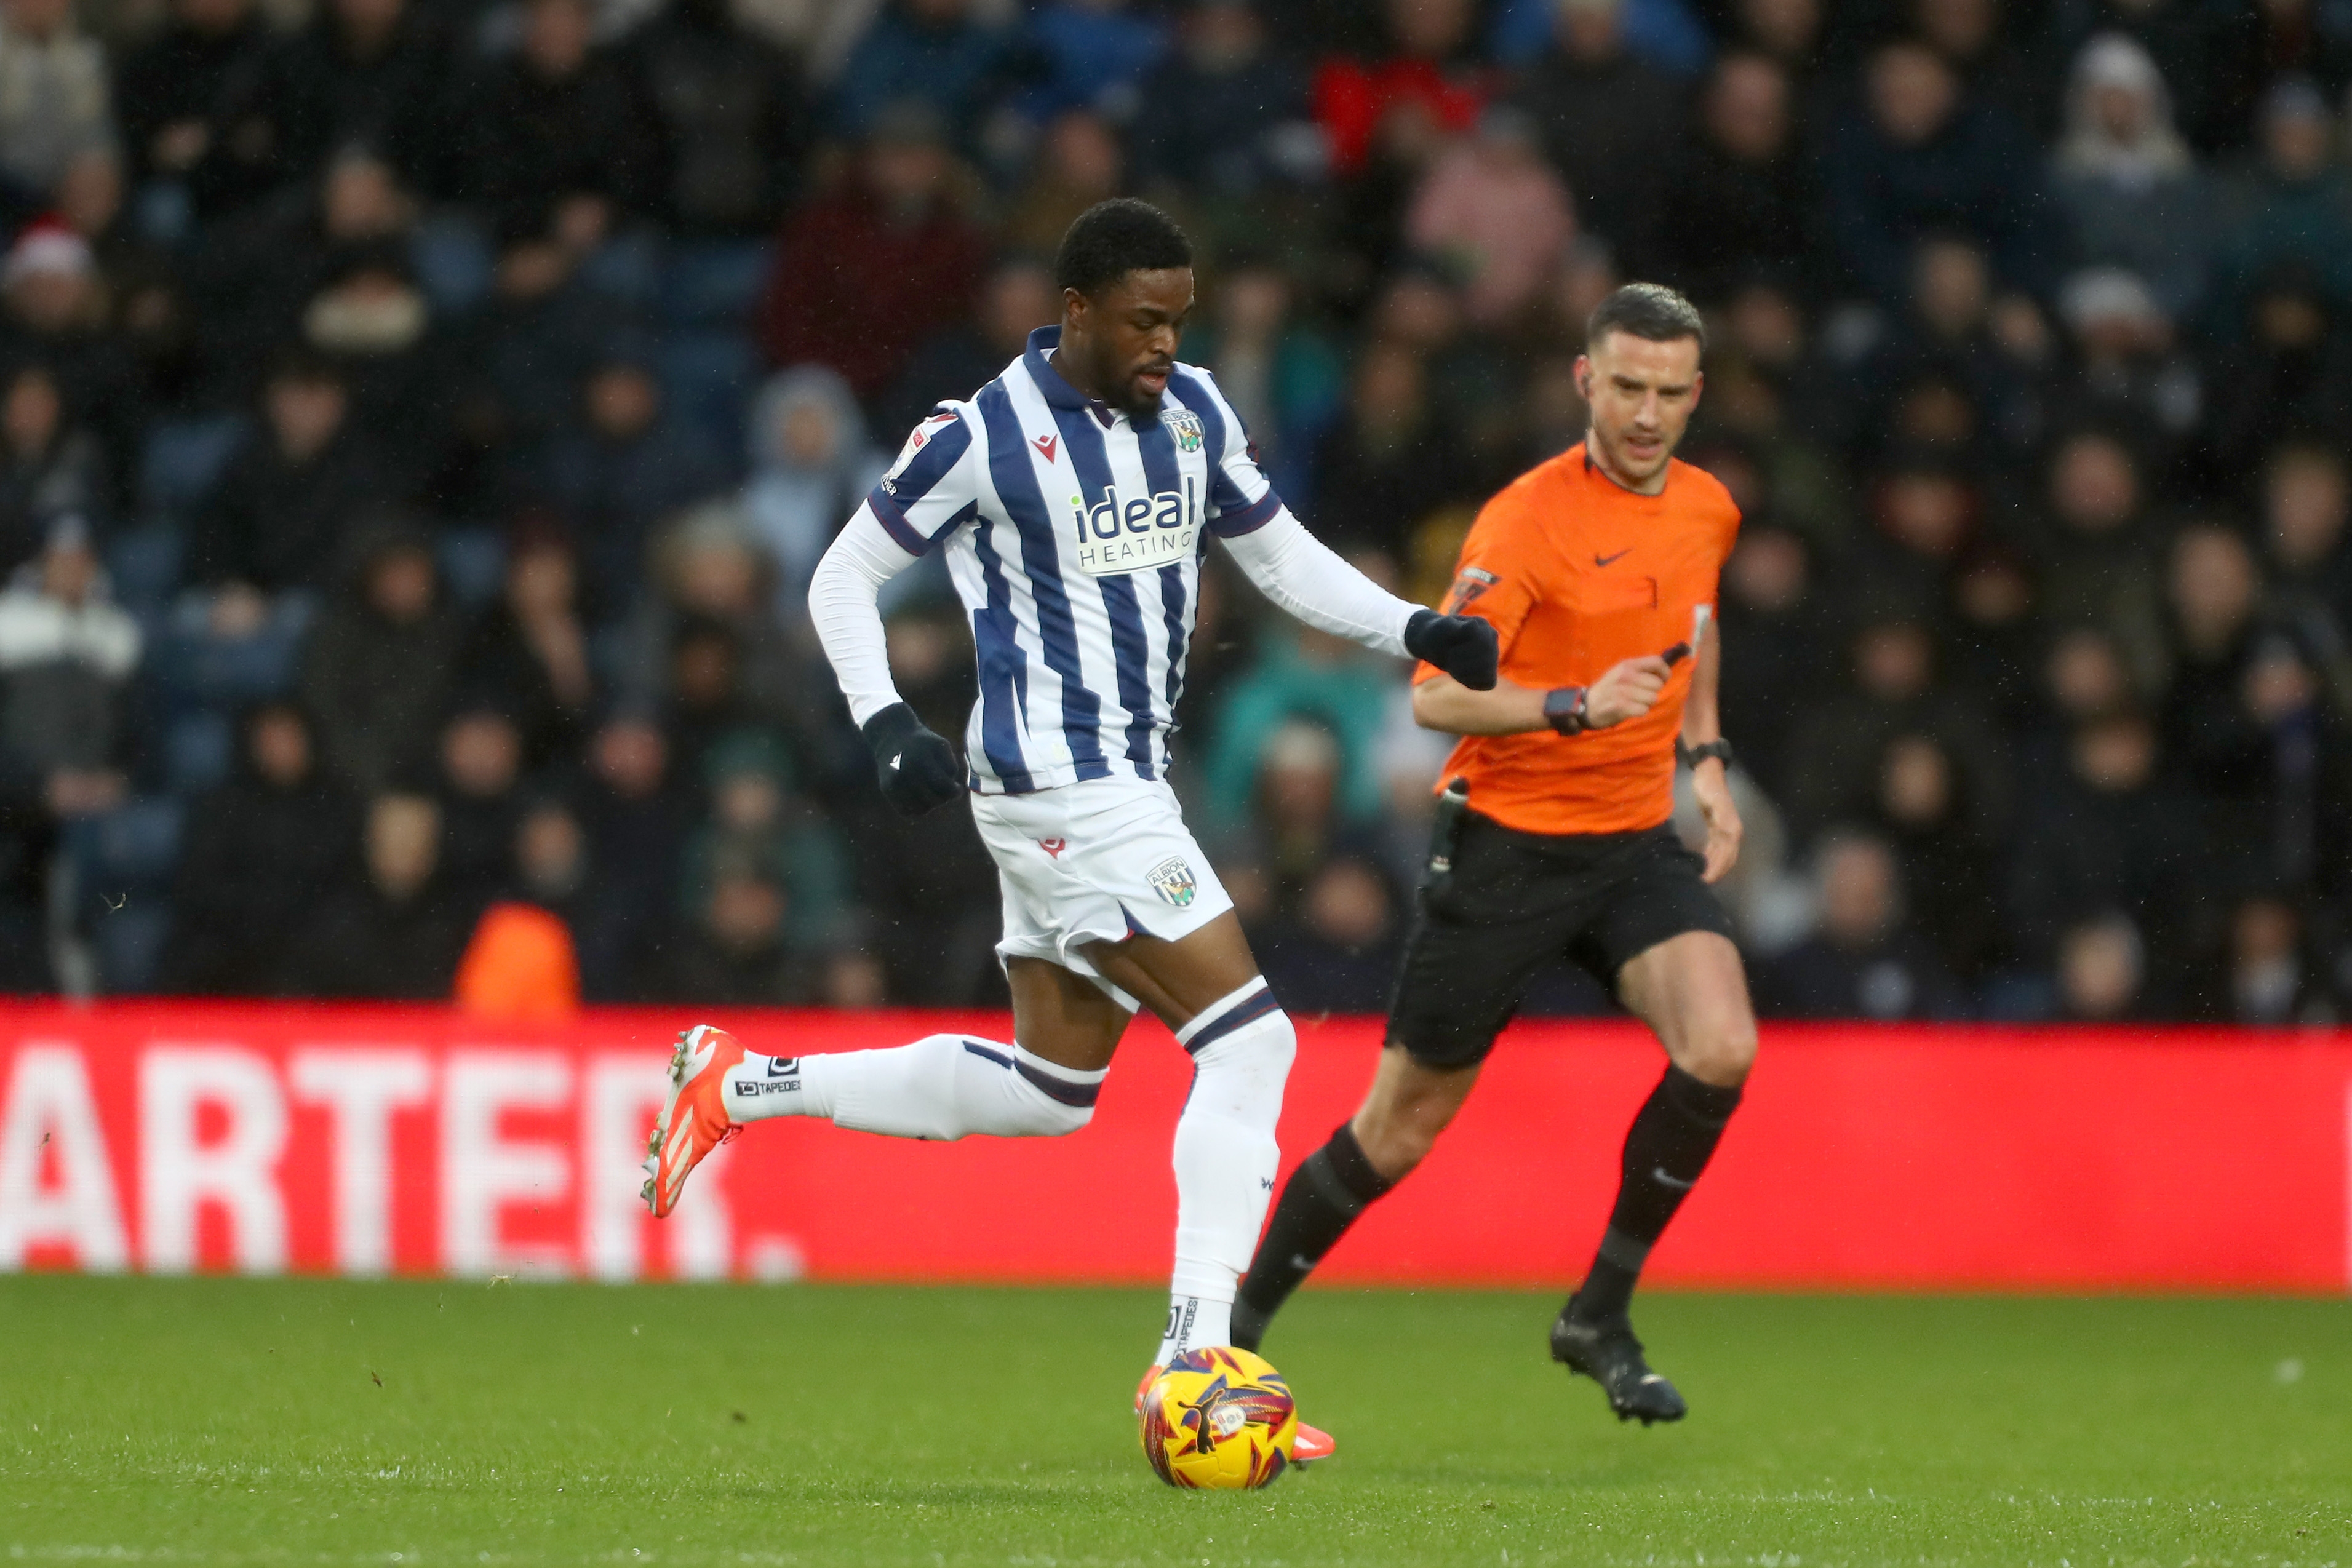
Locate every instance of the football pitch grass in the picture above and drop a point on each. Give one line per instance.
(298, 1421)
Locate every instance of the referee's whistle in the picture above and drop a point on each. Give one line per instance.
(1676, 654)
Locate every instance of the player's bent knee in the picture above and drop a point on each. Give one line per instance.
(1245, 1043)
(1395, 1149)
(1719, 1051)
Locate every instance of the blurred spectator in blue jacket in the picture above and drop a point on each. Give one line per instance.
(1665, 34)
(932, 50)
(1224, 113)
(622, 469)
(1922, 157)
(1089, 54)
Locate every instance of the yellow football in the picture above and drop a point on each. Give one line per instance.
(1219, 1419)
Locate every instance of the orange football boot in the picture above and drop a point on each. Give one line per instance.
(694, 1121)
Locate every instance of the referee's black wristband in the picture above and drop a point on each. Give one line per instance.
(1564, 710)
(1692, 756)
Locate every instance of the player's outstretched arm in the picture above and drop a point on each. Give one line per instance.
(1307, 579)
(1627, 690)
(919, 769)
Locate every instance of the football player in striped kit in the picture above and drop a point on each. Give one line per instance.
(1074, 495)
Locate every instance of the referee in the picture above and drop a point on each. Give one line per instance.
(1597, 571)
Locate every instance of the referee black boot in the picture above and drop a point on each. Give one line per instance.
(1607, 1352)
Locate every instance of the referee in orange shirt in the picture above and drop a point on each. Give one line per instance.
(1597, 571)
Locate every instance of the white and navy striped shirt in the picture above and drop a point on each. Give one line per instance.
(1073, 533)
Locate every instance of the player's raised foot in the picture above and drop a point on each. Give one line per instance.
(693, 1120)
(1607, 1352)
(1310, 1444)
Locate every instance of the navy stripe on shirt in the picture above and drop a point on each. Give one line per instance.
(1130, 649)
(1016, 486)
(1162, 472)
(1003, 669)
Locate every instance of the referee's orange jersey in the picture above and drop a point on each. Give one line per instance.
(1576, 573)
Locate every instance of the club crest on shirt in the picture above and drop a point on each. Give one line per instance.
(1185, 426)
(1172, 880)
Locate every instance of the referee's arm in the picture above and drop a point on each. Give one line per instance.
(1628, 690)
(1710, 784)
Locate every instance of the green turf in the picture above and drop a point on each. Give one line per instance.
(234, 1421)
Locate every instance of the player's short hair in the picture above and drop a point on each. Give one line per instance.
(1648, 310)
(1113, 239)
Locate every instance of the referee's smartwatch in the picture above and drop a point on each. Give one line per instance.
(1564, 710)
(1692, 756)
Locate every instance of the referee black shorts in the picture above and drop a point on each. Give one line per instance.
(1513, 900)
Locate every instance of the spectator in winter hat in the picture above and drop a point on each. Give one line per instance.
(2128, 186)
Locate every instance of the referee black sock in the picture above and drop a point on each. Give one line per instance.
(1321, 1199)
(1665, 1149)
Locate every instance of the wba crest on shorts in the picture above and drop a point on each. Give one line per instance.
(1185, 426)
(1172, 880)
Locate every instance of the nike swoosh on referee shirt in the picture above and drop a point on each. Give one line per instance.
(1612, 559)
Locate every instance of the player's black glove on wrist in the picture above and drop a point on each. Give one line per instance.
(919, 769)
(1462, 645)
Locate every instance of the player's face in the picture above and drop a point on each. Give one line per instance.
(1641, 394)
(1129, 332)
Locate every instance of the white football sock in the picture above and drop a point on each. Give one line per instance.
(1194, 1321)
(944, 1087)
(1225, 1158)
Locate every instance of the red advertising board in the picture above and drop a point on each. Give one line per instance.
(373, 1140)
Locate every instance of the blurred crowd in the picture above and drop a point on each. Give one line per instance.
(419, 420)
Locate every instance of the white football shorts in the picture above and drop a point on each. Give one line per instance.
(1098, 860)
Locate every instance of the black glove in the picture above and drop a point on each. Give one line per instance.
(1462, 645)
(919, 770)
